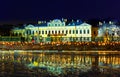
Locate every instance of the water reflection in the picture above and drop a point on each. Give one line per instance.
(58, 63)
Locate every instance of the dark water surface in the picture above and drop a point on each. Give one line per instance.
(19, 63)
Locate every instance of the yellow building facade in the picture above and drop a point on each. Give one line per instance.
(55, 30)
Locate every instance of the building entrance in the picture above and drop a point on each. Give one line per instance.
(56, 37)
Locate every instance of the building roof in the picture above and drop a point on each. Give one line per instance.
(41, 25)
(75, 23)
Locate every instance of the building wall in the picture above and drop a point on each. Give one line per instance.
(94, 33)
(58, 29)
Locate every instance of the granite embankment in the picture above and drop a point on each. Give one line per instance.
(80, 46)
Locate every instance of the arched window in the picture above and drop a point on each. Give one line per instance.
(55, 32)
(33, 32)
(59, 31)
(76, 31)
(39, 32)
(62, 31)
(27, 32)
(55, 24)
(66, 31)
(45, 32)
(52, 32)
(73, 31)
(84, 32)
(69, 31)
(88, 31)
(42, 32)
(80, 31)
(49, 32)
(20, 34)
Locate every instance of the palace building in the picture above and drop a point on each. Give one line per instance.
(54, 31)
(110, 31)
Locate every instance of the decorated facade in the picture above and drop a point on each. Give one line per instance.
(110, 31)
(61, 31)
(55, 31)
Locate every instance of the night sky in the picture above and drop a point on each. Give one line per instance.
(33, 10)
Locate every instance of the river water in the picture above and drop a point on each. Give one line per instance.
(38, 63)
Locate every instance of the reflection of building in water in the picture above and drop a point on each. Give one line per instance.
(64, 60)
(6, 63)
(57, 61)
(54, 60)
(112, 61)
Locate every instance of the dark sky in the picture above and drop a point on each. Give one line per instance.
(28, 10)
